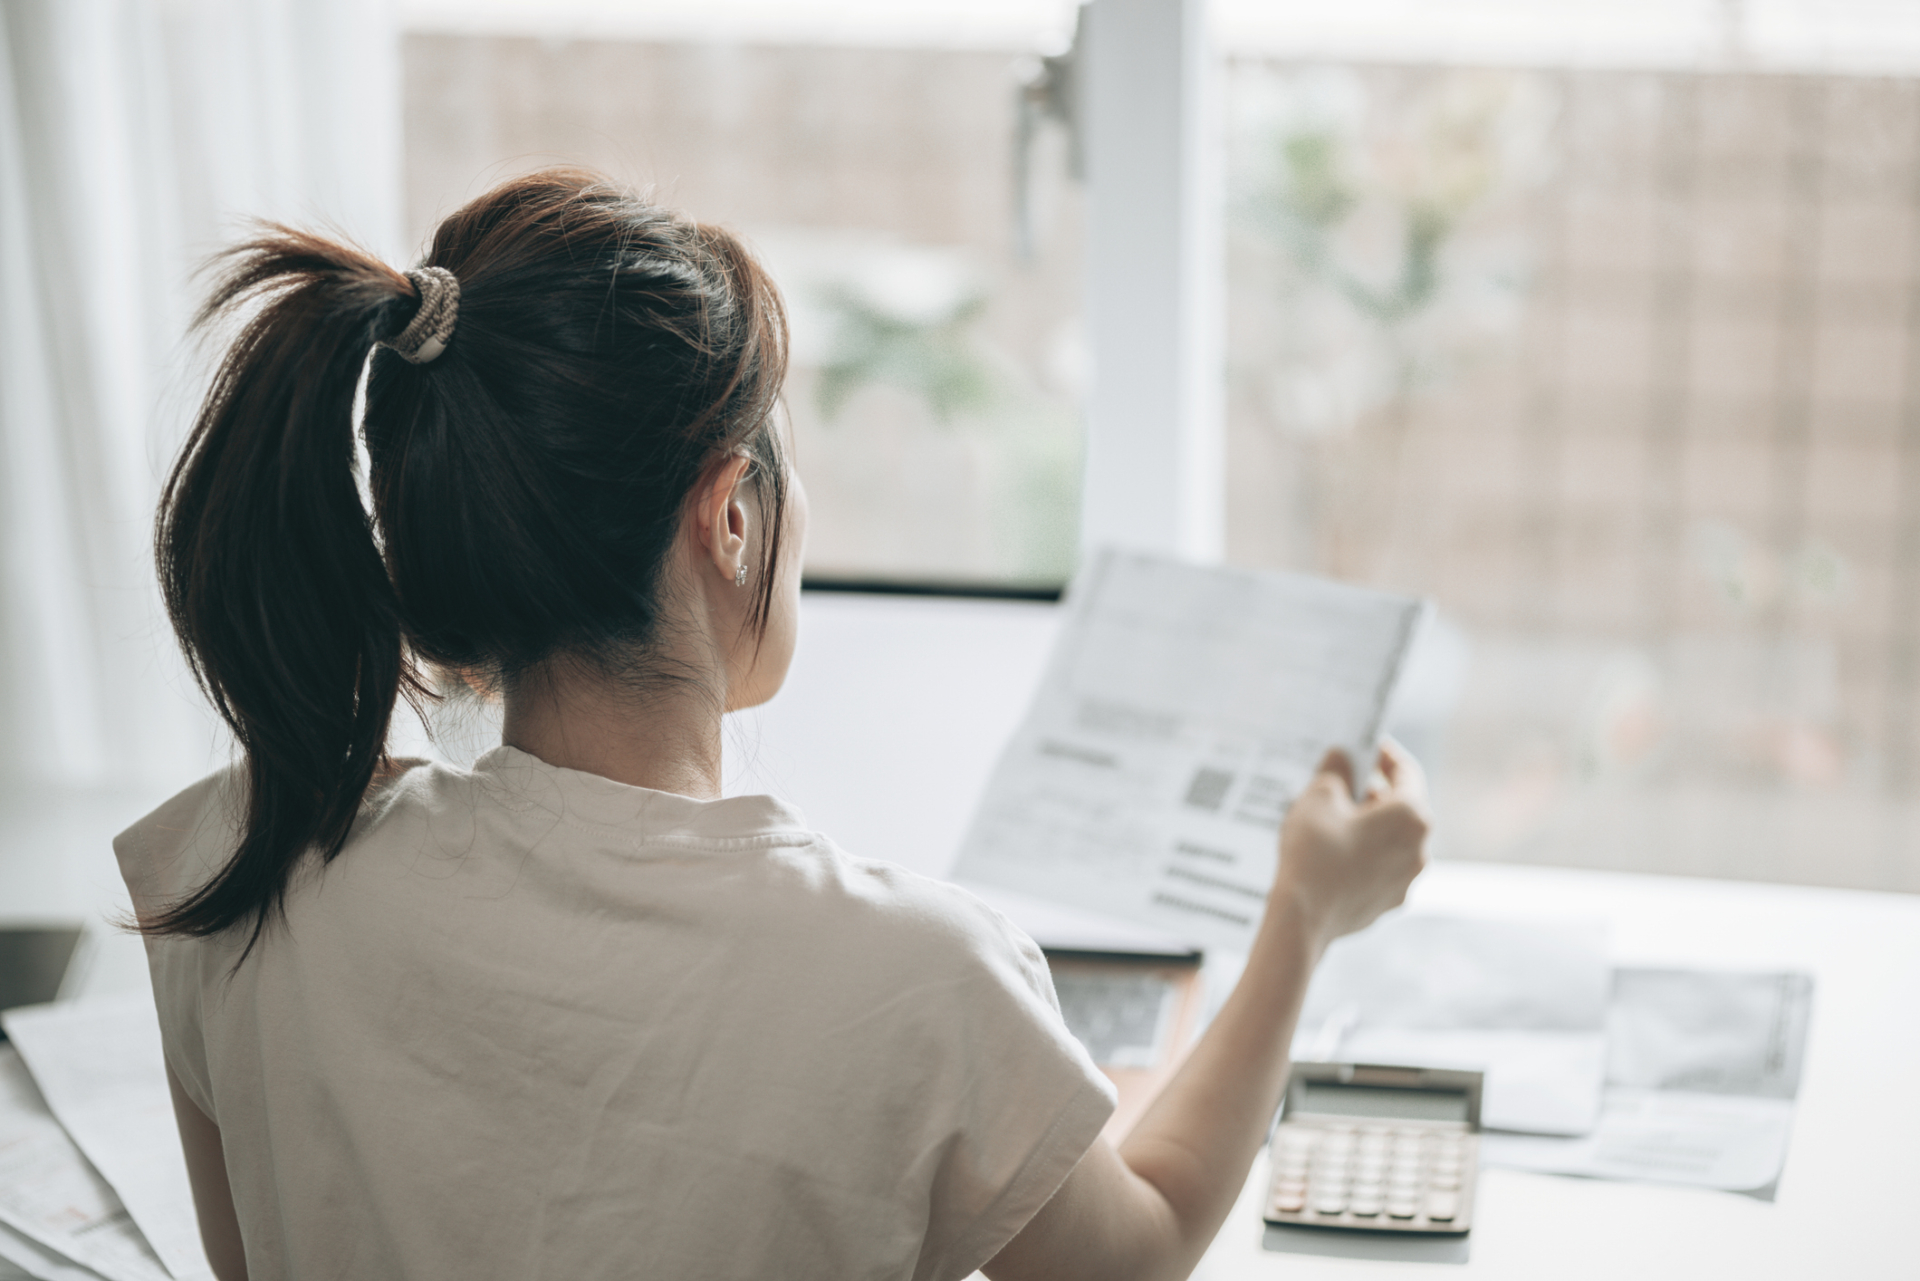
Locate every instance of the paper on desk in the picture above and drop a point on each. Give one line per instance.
(1525, 1003)
(100, 1067)
(1182, 710)
(31, 1259)
(1059, 928)
(52, 1197)
(1701, 1076)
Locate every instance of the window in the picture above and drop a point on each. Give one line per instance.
(1601, 330)
(1623, 368)
(936, 342)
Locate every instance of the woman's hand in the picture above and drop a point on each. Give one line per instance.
(1150, 1207)
(1344, 861)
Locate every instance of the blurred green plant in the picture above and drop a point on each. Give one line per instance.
(942, 361)
(1314, 197)
(938, 361)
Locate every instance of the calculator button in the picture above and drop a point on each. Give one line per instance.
(1402, 1210)
(1330, 1205)
(1365, 1209)
(1441, 1208)
(1445, 1182)
(1290, 1202)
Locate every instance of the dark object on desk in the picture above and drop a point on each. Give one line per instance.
(1134, 1011)
(1049, 593)
(33, 961)
(1403, 1247)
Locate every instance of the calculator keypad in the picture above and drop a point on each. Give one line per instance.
(1394, 1175)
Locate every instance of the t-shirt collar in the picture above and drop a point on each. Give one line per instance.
(520, 778)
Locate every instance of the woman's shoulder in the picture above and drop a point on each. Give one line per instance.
(924, 921)
(184, 840)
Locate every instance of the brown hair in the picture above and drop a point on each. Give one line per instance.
(527, 484)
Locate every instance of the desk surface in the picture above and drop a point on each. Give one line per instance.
(1852, 1179)
(1851, 1189)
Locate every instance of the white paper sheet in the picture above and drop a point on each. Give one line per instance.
(1525, 1003)
(99, 1065)
(49, 1194)
(1182, 710)
(1053, 925)
(1702, 1071)
(31, 1259)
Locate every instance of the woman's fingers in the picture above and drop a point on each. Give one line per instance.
(1406, 780)
(1335, 762)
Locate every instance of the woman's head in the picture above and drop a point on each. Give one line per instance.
(593, 448)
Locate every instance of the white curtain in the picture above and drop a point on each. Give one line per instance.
(135, 137)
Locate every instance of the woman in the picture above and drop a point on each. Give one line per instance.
(571, 1013)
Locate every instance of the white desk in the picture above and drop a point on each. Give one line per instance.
(901, 790)
(836, 743)
(1850, 1196)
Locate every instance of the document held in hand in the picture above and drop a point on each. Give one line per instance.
(1182, 710)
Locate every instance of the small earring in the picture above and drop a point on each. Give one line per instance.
(740, 575)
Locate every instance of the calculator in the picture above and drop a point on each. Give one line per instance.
(1377, 1149)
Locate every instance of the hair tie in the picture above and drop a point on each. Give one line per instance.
(427, 334)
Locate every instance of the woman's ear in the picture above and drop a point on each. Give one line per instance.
(722, 516)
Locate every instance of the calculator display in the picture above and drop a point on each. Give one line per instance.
(1379, 1101)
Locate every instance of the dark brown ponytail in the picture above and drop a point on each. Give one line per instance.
(527, 484)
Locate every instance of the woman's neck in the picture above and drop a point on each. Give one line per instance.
(667, 739)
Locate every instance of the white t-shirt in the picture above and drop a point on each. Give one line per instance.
(535, 1023)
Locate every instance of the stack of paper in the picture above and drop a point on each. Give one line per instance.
(1672, 1076)
(1524, 1003)
(92, 1181)
(1701, 1076)
(1182, 710)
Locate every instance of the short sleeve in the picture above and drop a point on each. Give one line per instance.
(1024, 1100)
(162, 858)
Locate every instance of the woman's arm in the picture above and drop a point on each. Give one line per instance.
(1150, 1207)
(212, 1195)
